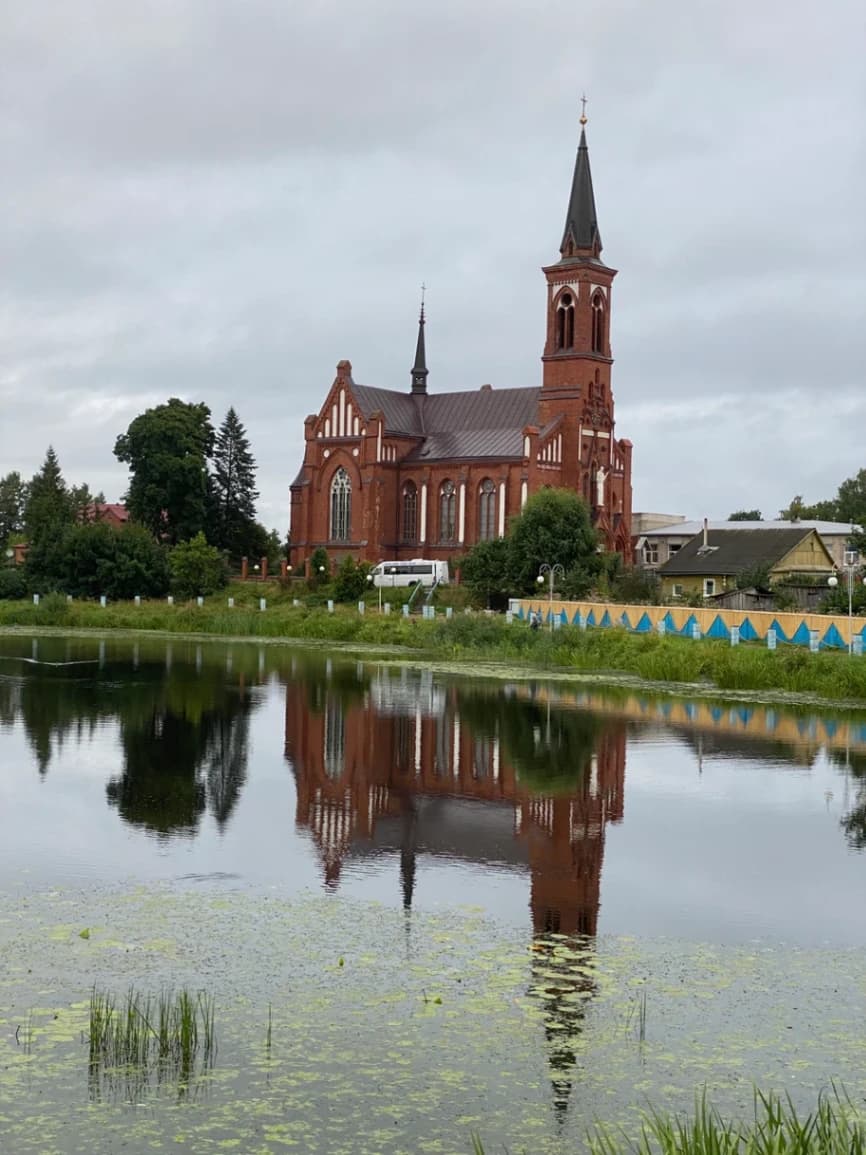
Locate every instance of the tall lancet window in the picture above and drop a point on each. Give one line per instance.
(487, 510)
(341, 506)
(447, 510)
(409, 528)
(565, 322)
(598, 323)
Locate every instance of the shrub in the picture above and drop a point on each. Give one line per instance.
(12, 583)
(196, 568)
(99, 559)
(320, 568)
(350, 583)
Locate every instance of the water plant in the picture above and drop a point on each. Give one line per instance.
(175, 1030)
(833, 1128)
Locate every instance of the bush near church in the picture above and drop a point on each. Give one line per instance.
(553, 528)
(197, 569)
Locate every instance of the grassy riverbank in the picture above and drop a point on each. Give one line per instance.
(474, 637)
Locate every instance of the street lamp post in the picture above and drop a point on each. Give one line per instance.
(551, 571)
(370, 579)
(850, 567)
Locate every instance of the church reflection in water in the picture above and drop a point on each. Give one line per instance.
(396, 761)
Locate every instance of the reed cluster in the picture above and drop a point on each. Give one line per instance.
(174, 1030)
(834, 1127)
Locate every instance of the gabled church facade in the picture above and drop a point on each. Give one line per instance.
(393, 475)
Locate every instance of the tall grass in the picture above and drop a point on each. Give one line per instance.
(833, 1128)
(174, 1031)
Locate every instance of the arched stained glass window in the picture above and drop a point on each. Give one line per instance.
(447, 512)
(409, 528)
(341, 506)
(486, 510)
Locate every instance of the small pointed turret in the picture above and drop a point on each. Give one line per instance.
(581, 236)
(419, 369)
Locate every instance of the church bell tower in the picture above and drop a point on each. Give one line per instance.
(577, 361)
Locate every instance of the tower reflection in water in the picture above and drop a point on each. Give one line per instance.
(395, 761)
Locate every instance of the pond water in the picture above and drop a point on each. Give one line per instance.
(425, 904)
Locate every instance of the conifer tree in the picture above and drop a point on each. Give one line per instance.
(13, 499)
(48, 516)
(233, 488)
(48, 504)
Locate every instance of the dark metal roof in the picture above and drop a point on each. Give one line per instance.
(476, 423)
(469, 443)
(581, 219)
(399, 409)
(733, 550)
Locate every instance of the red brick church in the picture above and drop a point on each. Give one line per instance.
(391, 474)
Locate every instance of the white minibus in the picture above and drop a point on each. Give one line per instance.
(410, 573)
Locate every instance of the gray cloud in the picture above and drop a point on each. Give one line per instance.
(220, 200)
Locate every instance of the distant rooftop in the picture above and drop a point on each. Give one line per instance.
(690, 528)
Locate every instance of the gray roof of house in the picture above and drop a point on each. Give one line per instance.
(730, 551)
(475, 423)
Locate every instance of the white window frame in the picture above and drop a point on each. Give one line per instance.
(709, 587)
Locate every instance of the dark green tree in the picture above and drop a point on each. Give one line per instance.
(851, 506)
(799, 511)
(13, 499)
(634, 584)
(756, 577)
(48, 516)
(233, 491)
(485, 573)
(553, 527)
(48, 505)
(83, 501)
(263, 543)
(350, 580)
(745, 515)
(120, 563)
(320, 567)
(166, 449)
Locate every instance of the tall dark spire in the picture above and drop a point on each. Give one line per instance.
(419, 369)
(581, 236)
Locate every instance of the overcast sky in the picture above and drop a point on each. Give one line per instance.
(220, 199)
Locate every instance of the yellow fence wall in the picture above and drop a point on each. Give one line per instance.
(792, 628)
